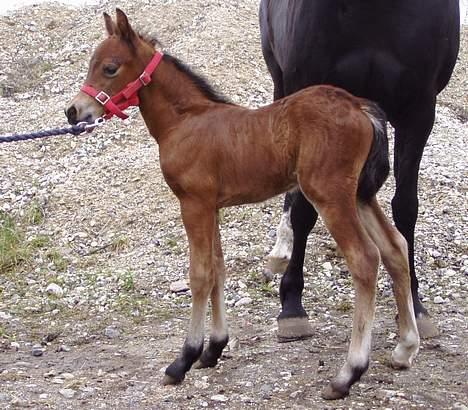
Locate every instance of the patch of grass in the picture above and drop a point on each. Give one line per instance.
(254, 276)
(268, 289)
(35, 214)
(54, 256)
(55, 279)
(91, 278)
(39, 242)
(127, 281)
(344, 306)
(119, 243)
(172, 243)
(3, 332)
(25, 75)
(221, 216)
(13, 251)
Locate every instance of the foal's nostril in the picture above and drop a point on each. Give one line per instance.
(71, 114)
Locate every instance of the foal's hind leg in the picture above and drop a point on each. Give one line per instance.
(199, 224)
(362, 257)
(394, 252)
(219, 332)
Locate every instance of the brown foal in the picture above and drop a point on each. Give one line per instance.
(215, 154)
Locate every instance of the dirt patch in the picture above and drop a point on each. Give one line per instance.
(94, 217)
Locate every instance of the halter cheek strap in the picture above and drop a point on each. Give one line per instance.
(128, 97)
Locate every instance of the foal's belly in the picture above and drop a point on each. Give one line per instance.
(259, 194)
(252, 187)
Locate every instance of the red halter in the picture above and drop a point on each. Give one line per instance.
(128, 96)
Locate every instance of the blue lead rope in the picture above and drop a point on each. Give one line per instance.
(74, 129)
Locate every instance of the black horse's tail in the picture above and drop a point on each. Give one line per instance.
(377, 166)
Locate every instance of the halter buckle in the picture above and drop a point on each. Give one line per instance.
(145, 78)
(102, 97)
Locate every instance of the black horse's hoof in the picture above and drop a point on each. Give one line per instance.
(170, 380)
(331, 393)
(426, 328)
(294, 328)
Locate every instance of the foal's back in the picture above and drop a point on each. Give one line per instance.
(242, 155)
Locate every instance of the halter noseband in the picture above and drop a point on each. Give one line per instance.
(128, 96)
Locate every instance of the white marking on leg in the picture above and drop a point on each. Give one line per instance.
(282, 250)
(408, 346)
(219, 328)
(196, 333)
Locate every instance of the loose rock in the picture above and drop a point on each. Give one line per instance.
(37, 350)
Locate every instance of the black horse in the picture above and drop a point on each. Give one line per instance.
(400, 53)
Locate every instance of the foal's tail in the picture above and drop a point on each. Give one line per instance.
(377, 166)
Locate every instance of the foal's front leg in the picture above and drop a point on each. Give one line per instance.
(219, 330)
(200, 222)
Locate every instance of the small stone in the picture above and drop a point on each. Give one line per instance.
(4, 397)
(55, 290)
(37, 350)
(233, 344)
(179, 286)
(67, 393)
(15, 346)
(87, 392)
(201, 384)
(111, 332)
(219, 397)
(327, 266)
(63, 348)
(243, 301)
(438, 300)
(50, 373)
(5, 316)
(67, 376)
(295, 394)
(43, 396)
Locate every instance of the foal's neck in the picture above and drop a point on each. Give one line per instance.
(171, 97)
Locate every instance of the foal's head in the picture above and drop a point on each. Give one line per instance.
(117, 61)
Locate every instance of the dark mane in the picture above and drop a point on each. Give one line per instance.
(200, 82)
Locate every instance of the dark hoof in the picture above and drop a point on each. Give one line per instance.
(426, 328)
(199, 365)
(169, 380)
(294, 328)
(330, 393)
(203, 365)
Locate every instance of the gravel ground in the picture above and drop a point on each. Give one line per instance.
(89, 319)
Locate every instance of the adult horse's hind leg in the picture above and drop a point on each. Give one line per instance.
(200, 225)
(362, 257)
(393, 249)
(293, 323)
(219, 330)
(410, 138)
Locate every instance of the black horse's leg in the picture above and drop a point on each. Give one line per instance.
(410, 138)
(293, 323)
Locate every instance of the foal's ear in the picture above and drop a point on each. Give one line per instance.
(125, 30)
(110, 26)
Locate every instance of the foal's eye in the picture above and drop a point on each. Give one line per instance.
(110, 70)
